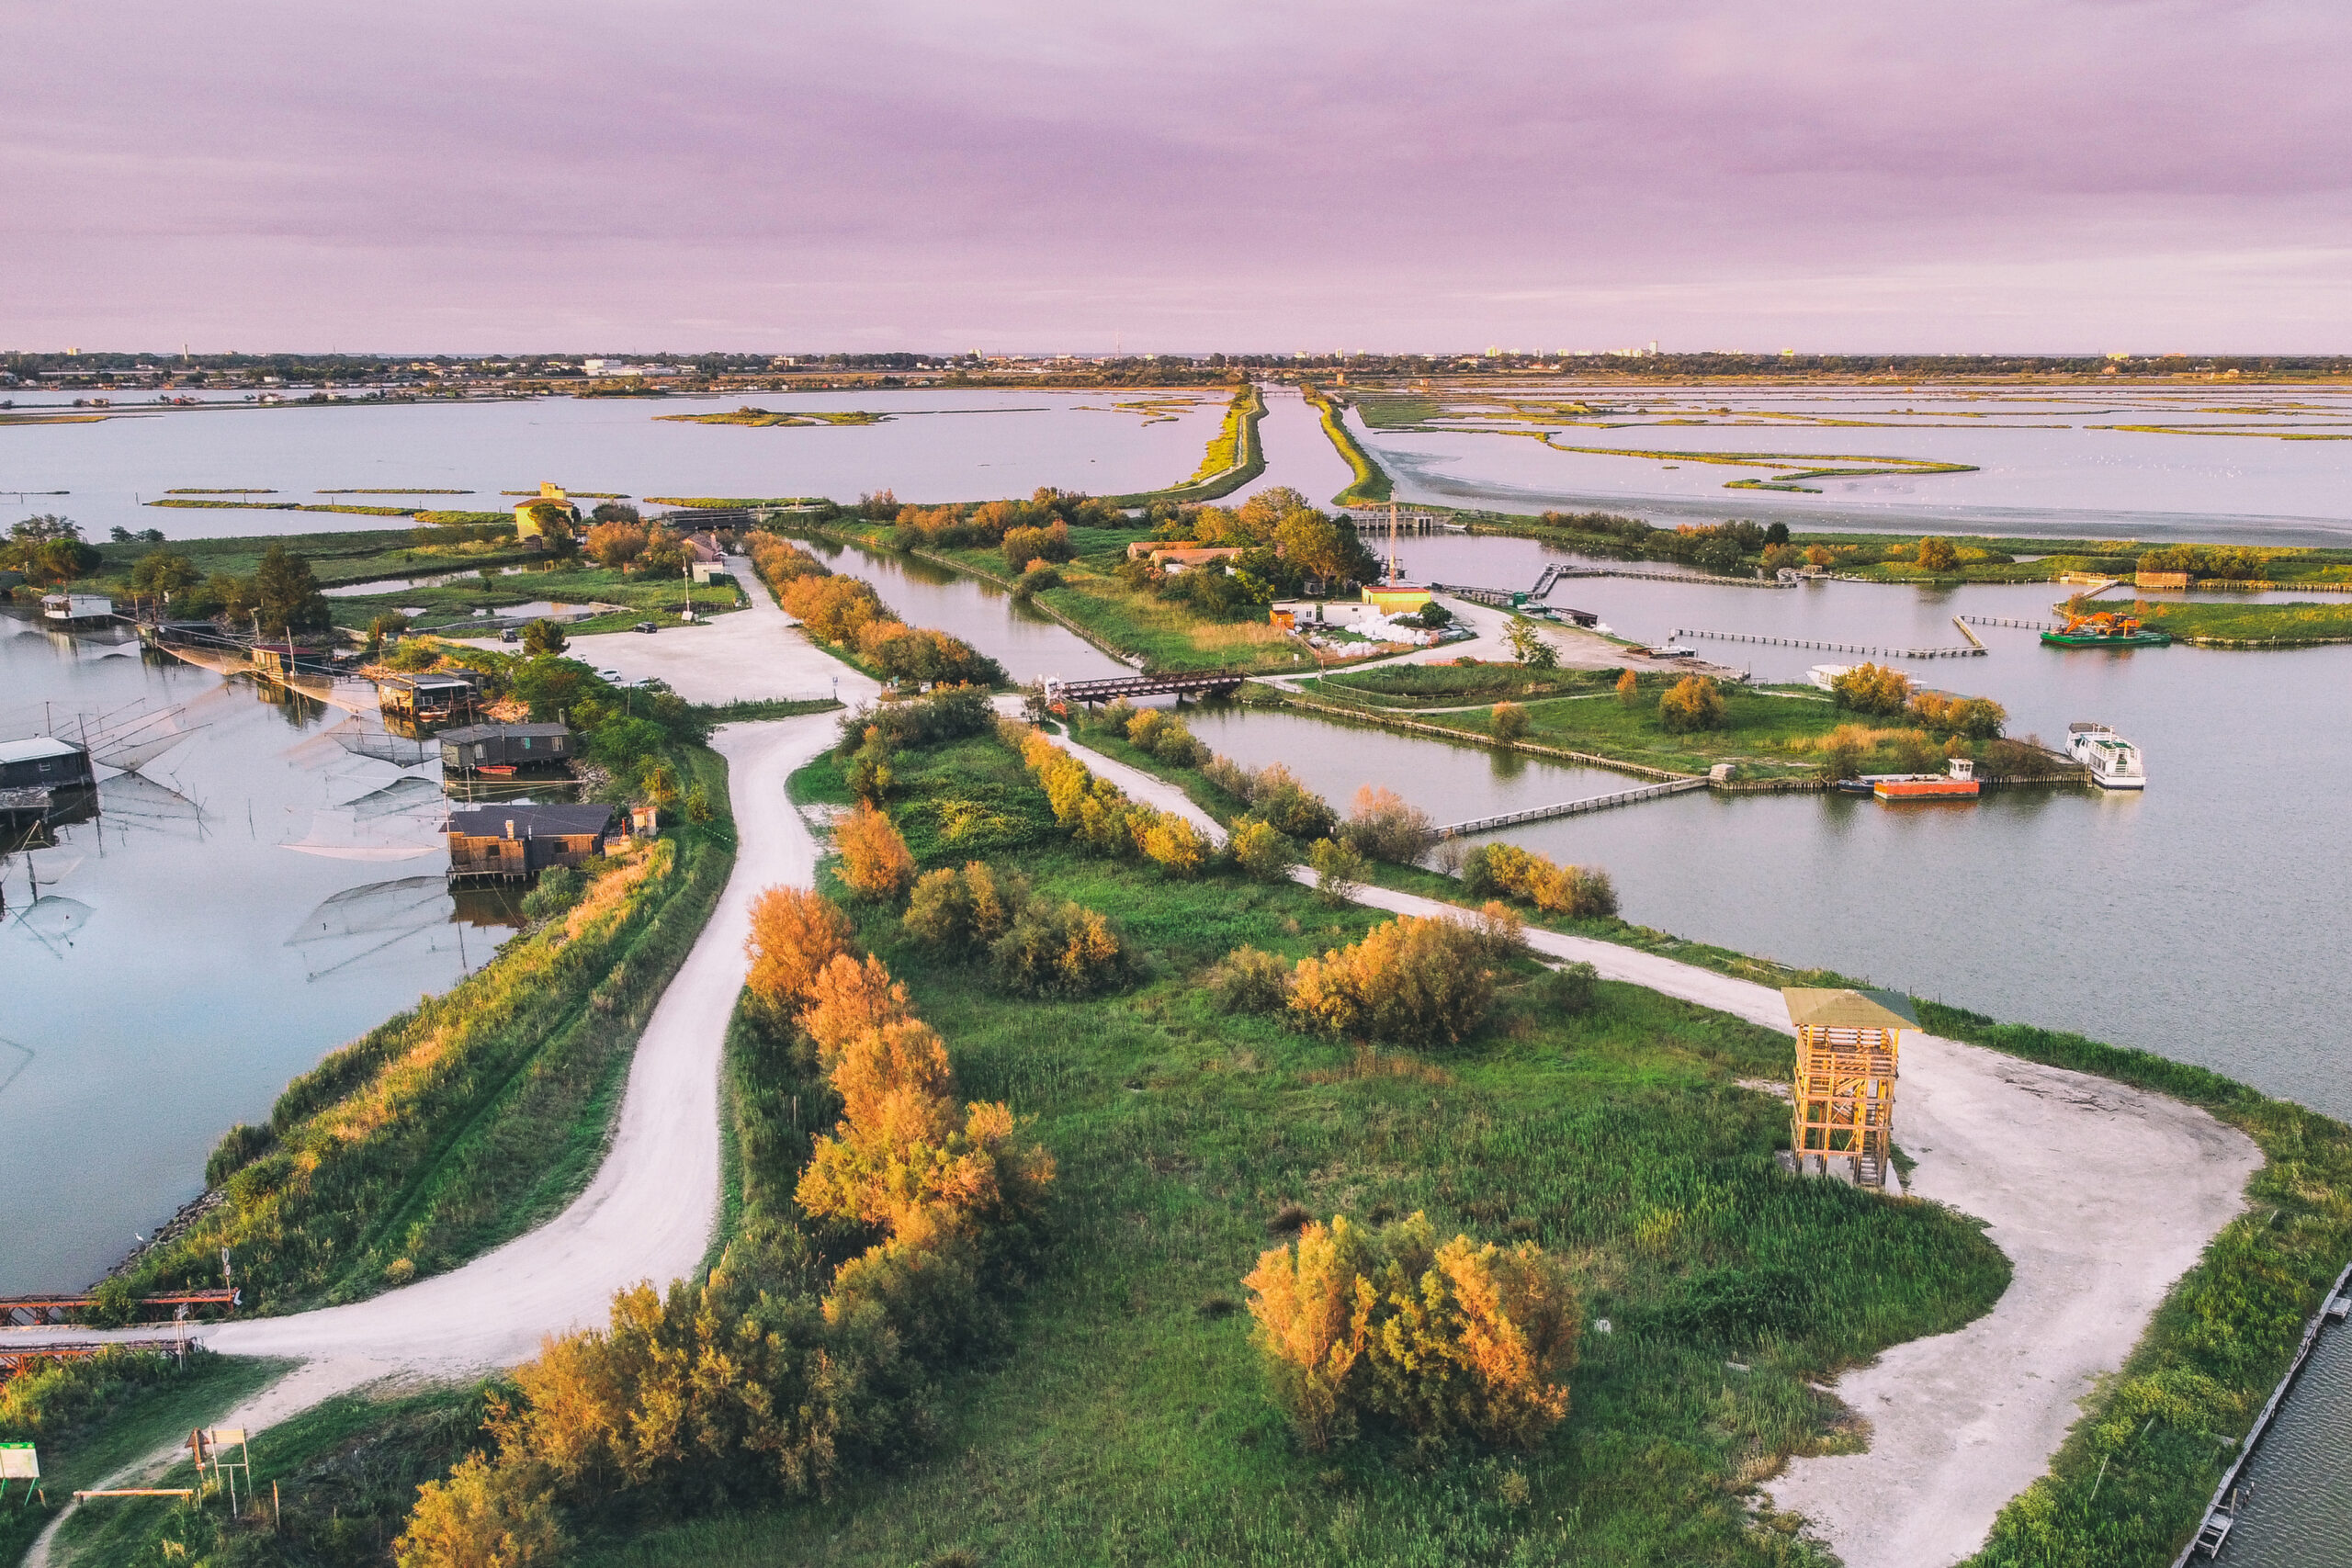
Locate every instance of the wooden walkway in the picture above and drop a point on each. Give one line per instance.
(1570, 808)
(1975, 652)
(1221, 683)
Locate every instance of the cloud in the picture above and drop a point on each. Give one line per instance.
(2004, 176)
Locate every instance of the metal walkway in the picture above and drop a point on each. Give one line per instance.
(1976, 652)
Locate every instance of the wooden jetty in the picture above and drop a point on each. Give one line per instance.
(1569, 808)
(1976, 652)
(39, 1310)
(15, 1359)
(1217, 683)
(2221, 1514)
(2004, 621)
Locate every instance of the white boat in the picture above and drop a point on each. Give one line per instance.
(2114, 762)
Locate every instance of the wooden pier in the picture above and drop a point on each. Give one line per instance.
(1976, 652)
(2221, 1514)
(39, 1310)
(2002, 621)
(15, 1359)
(1570, 808)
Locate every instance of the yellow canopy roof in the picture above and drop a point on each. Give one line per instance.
(1829, 1008)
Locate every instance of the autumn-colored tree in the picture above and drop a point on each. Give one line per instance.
(1872, 688)
(1340, 870)
(875, 861)
(1314, 1312)
(1692, 702)
(483, 1516)
(1424, 981)
(1263, 851)
(1507, 723)
(1580, 893)
(1172, 845)
(795, 932)
(847, 998)
(614, 545)
(1629, 690)
(1938, 554)
(1382, 826)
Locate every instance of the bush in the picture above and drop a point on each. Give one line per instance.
(1170, 842)
(1260, 849)
(1872, 688)
(238, 1147)
(1421, 981)
(1063, 950)
(1507, 723)
(1339, 870)
(965, 911)
(875, 861)
(1276, 796)
(483, 1516)
(558, 889)
(1022, 546)
(543, 636)
(1443, 1341)
(1938, 554)
(950, 714)
(795, 932)
(1036, 578)
(1384, 827)
(872, 770)
(1692, 702)
(1577, 892)
(1249, 980)
(1629, 689)
(1572, 989)
(1979, 718)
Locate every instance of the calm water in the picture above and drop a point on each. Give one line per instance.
(169, 965)
(2052, 462)
(938, 445)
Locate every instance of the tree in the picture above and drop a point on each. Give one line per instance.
(795, 932)
(1382, 826)
(616, 543)
(543, 636)
(159, 572)
(1339, 869)
(483, 1516)
(1507, 723)
(1423, 981)
(875, 861)
(1629, 690)
(1260, 849)
(1938, 554)
(1692, 702)
(1872, 688)
(286, 594)
(1530, 646)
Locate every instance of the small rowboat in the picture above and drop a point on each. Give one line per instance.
(497, 770)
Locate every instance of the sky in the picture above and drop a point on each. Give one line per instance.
(1276, 176)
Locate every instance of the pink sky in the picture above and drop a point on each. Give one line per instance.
(2053, 176)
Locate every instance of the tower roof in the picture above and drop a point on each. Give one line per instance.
(1832, 1008)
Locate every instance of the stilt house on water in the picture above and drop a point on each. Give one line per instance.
(510, 843)
(431, 697)
(1843, 1122)
(504, 748)
(45, 762)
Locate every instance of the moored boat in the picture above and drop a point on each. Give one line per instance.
(1960, 783)
(2113, 762)
(2106, 629)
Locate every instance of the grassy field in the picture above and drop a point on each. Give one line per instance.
(1371, 483)
(361, 556)
(123, 1424)
(1124, 1419)
(2281, 624)
(1407, 686)
(448, 605)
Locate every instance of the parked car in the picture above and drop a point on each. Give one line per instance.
(644, 626)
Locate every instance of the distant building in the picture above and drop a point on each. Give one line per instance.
(430, 697)
(546, 512)
(513, 841)
(72, 607)
(1395, 598)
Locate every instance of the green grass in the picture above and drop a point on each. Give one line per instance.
(477, 1115)
(1125, 1419)
(134, 1422)
(1232, 458)
(755, 708)
(345, 1470)
(1371, 483)
(2225, 625)
(755, 418)
(448, 605)
(1440, 685)
(288, 506)
(360, 555)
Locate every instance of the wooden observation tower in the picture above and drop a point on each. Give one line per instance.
(1843, 1122)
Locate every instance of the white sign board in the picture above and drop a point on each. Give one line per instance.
(18, 1462)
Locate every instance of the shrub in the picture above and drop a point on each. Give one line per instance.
(871, 772)
(795, 932)
(1938, 554)
(1872, 688)
(1249, 980)
(1843, 750)
(558, 888)
(412, 656)
(949, 714)
(238, 1147)
(965, 910)
(875, 861)
(846, 999)
(1022, 546)
(1629, 690)
(1692, 702)
(543, 636)
(1276, 796)
(1507, 723)
(483, 1516)
(1577, 892)
(1382, 826)
(1443, 1341)
(1420, 981)
(833, 609)
(1979, 718)
(1339, 869)
(614, 545)
(1117, 716)
(1227, 776)
(1572, 989)
(1170, 842)
(1531, 648)
(1260, 849)
(1063, 950)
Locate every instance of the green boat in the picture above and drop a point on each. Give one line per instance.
(2108, 640)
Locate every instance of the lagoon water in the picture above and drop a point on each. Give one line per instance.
(2256, 465)
(170, 964)
(935, 445)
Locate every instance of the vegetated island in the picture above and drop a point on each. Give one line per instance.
(761, 418)
(1236, 1099)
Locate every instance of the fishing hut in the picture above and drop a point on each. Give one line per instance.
(1842, 1121)
(503, 748)
(433, 697)
(511, 843)
(43, 762)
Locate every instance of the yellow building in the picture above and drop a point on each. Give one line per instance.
(1395, 598)
(550, 509)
